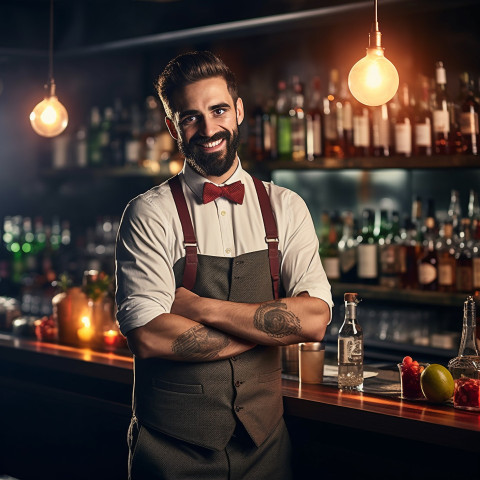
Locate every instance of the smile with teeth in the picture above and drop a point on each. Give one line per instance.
(212, 144)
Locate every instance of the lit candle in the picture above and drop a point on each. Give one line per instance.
(85, 333)
(110, 338)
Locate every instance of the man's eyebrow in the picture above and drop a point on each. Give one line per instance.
(188, 113)
(220, 105)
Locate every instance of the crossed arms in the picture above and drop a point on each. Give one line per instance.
(206, 329)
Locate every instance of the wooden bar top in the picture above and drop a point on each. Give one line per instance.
(371, 410)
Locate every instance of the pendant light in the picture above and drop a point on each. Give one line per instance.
(373, 80)
(49, 118)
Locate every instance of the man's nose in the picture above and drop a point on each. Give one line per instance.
(207, 127)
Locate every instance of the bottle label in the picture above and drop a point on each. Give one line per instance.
(403, 137)
(381, 127)
(426, 273)
(441, 121)
(469, 122)
(361, 137)
(423, 135)
(476, 273)
(284, 135)
(347, 116)
(331, 266)
(330, 127)
(445, 274)
(367, 261)
(350, 350)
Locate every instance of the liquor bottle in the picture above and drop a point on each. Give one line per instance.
(441, 114)
(423, 121)
(361, 130)
(469, 111)
(345, 110)
(133, 144)
(255, 132)
(473, 210)
(465, 368)
(476, 258)
(94, 138)
(268, 126)
(463, 256)
(445, 249)
(330, 255)
(331, 130)
(298, 121)
(314, 123)
(350, 347)
(347, 250)
(106, 128)
(454, 212)
(368, 250)
(284, 126)
(411, 249)
(403, 127)
(381, 131)
(81, 148)
(428, 264)
(390, 253)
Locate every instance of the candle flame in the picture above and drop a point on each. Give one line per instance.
(86, 322)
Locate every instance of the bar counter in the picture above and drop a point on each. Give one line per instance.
(67, 409)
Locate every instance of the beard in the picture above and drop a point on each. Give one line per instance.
(210, 164)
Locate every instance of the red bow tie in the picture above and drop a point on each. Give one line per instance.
(233, 192)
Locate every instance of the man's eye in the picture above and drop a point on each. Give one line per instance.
(220, 111)
(189, 120)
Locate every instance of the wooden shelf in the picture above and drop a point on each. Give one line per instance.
(374, 292)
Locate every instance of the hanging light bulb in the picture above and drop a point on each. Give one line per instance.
(49, 118)
(373, 80)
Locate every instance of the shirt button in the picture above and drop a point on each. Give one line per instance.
(233, 359)
(228, 251)
(223, 213)
(238, 383)
(237, 408)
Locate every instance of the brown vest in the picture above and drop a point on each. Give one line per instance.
(201, 402)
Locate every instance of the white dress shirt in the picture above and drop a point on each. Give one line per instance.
(150, 241)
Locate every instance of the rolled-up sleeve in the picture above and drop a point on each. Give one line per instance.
(145, 282)
(301, 268)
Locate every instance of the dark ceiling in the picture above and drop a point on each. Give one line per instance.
(80, 23)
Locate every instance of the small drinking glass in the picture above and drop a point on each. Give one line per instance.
(410, 380)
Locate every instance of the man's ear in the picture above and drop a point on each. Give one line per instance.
(171, 128)
(240, 111)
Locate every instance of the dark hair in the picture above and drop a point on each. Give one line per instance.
(189, 68)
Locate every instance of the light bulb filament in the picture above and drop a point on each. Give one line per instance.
(49, 115)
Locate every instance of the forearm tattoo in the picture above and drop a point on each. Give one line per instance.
(200, 343)
(276, 321)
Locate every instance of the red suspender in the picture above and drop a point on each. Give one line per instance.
(189, 239)
(271, 233)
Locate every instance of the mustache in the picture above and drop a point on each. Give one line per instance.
(198, 139)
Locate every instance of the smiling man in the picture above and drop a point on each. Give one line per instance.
(215, 271)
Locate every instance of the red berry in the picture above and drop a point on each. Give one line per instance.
(407, 360)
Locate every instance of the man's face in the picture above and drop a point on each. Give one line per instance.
(205, 125)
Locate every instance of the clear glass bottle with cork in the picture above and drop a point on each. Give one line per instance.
(465, 368)
(350, 347)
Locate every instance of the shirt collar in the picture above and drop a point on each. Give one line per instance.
(195, 181)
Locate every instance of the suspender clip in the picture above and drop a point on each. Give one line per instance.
(271, 239)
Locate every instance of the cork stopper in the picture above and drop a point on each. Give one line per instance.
(351, 297)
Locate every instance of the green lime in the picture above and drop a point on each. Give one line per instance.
(437, 383)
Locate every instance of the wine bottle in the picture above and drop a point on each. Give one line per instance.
(441, 113)
(469, 111)
(314, 123)
(331, 127)
(403, 127)
(368, 250)
(423, 122)
(284, 125)
(298, 121)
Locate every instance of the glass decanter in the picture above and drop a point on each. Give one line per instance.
(465, 368)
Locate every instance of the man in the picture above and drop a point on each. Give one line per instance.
(215, 271)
